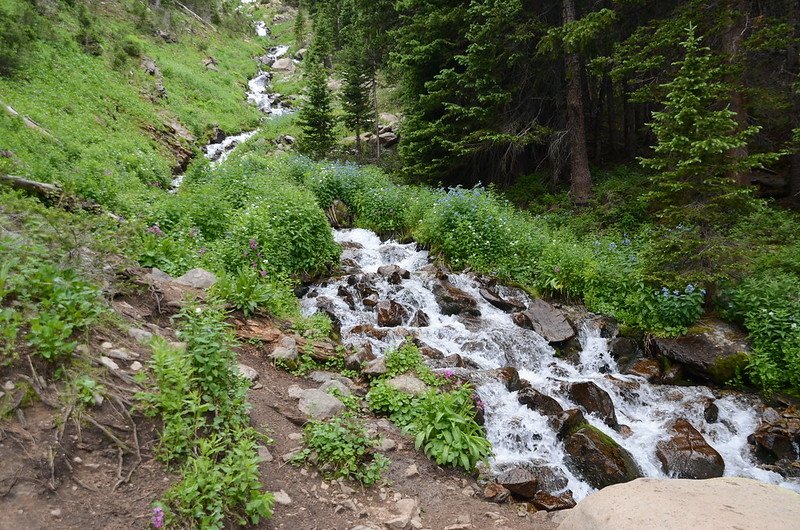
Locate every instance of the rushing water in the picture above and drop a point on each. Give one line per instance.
(517, 433)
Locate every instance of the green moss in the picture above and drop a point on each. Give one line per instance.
(727, 368)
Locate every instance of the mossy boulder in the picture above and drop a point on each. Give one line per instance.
(598, 458)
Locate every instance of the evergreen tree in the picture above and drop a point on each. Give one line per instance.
(300, 27)
(355, 96)
(316, 115)
(695, 198)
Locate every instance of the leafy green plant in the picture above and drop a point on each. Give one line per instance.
(343, 449)
(49, 335)
(10, 325)
(88, 391)
(244, 291)
(446, 430)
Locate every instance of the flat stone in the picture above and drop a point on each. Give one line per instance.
(135, 366)
(264, 455)
(407, 383)
(411, 471)
(327, 386)
(546, 320)
(197, 279)
(318, 404)
(108, 363)
(285, 349)
(249, 373)
(140, 335)
(679, 504)
(121, 354)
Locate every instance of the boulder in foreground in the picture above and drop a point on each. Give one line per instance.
(678, 504)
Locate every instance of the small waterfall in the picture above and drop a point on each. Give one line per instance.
(518, 434)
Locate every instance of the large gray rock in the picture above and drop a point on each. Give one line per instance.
(676, 504)
(285, 349)
(284, 64)
(318, 404)
(712, 352)
(686, 454)
(197, 279)
(546, 320)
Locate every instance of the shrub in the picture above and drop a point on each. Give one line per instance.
(248, 290)
(343, 449)
(18, 32)
(283, 232)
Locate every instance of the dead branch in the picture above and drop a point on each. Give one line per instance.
(195, 15)
(119, 443)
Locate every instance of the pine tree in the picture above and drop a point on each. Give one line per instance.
(316, 115)
(695, 198)
(300, 27)
(355, 96)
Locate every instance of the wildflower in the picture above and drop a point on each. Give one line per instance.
(676, 292)
(262, 272)
(202, 251)
(612, 246)
(556, 269)
(158, 517)
(155, 230)
(626, 241)
(689, 289)
(253, 244)
(194, 232)
(448, 374)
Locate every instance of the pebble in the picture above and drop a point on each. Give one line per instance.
(411, 471)
(8, 386)
(78, 460)
(56, 512)
(295, 436)
(140, 335)
(387, 444)
(106, 345)
(468, 492)
(136, 366)
(282, 498)
(265, 455)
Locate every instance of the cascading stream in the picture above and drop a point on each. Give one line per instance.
(518, 434)
(259, 94)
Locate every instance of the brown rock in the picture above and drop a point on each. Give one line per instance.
(687, 454)
(496, 493)
(778, 436)
(394, 274)
(542, 403)
(506, 305)
(420, 319)
(546, 501)
(648, 369)
(599, 459)
(594, 400)
(454, 301)
(567, 422)
(390, 313)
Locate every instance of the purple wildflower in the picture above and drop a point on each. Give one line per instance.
(155, 230)
(262, 272)
(158, 517)
(448, 374)
(253, 244)
(556, 269)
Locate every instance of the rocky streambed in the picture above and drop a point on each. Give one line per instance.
(568, 405)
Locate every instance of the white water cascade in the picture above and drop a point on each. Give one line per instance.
(518, 434)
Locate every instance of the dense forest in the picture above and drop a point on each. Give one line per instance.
(187, 185)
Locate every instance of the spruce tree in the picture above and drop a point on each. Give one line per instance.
(694, 196)
(355, 96)
(316, 115)
(300, 27)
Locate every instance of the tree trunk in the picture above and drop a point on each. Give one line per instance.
(794, 67)
(731, 44)
(629, 114)
(580, 176)
(611, 116)
(377, 124)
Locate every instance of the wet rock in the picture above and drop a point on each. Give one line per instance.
(407, 383)
(599, 459)
(345, 295)
(248, 372)
(648, 369)
(454, 360)
(431, 352)
(390, 313)
(197, 279)
(375, 368)
(496, 300)
(526, 480)
(496, 493)
(686, 454)
(370, 301)
(546, 320)
(778, 436)
(420, 319)
(711, 412)
(546, 501)
(394, 274)
(365, 285)
(507, 375)
(542, 403)
(594, 400)
(567, 422)
(454, 301)
(673, 375)
(328, 307)
(623, 347)
(711, 353)
(370, 330)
